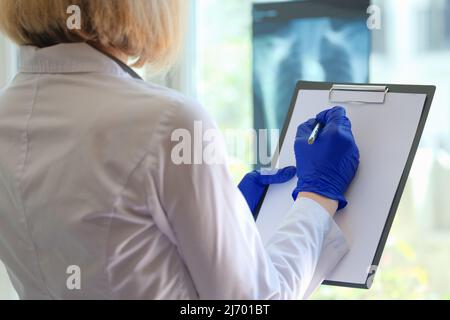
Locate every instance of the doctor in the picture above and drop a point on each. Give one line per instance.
(92, 206)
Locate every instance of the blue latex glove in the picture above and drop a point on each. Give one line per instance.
(254, 184)
(328, 166)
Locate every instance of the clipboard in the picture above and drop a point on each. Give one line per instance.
(368, 106)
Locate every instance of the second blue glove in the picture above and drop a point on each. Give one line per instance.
(254, 185)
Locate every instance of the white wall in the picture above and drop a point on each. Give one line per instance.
(8, 67)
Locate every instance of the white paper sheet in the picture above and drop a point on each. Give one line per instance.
(384, 134)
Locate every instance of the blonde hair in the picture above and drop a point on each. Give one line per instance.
(147, 30)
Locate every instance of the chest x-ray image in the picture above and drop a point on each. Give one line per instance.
(305, 40)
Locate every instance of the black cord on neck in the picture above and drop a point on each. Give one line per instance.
(122, 65)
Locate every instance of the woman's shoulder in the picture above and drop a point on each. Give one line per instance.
(157, 100)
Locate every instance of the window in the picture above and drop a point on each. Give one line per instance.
(224, 66)
(412, 46)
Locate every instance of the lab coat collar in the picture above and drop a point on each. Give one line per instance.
(67, 58)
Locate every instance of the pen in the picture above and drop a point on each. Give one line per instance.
(313, 136)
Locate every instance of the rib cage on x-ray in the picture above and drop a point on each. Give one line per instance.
(312, 49)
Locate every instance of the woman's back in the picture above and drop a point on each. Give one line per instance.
(76, 135)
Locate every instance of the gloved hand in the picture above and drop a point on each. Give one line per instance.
(328, 166)
(254, 184)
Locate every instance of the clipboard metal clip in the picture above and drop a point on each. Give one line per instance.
(341, 93)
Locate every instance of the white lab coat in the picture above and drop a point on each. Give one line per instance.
(87, 182)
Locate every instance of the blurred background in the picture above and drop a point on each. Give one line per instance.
(242, 60)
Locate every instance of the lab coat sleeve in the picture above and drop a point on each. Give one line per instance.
(209, 221)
